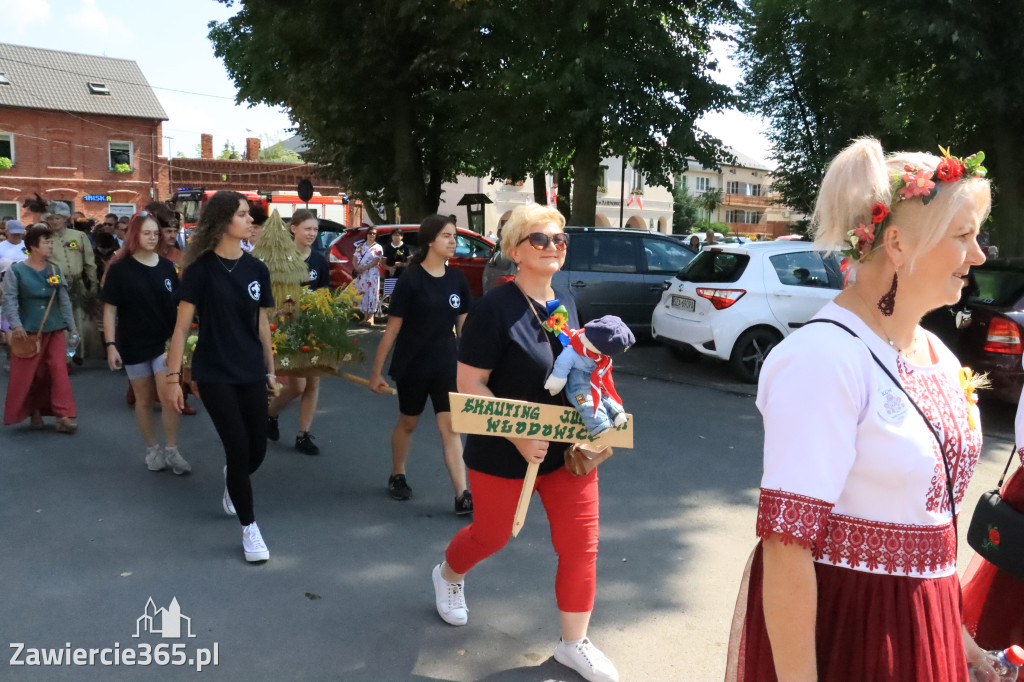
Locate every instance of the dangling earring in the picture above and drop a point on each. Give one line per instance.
(888, 302)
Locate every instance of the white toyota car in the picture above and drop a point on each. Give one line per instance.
(736, 302)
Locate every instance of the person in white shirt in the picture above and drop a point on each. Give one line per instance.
(13, 248)
(871, 438)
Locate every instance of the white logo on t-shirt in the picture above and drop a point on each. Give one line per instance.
(167, 283)
(454, 301)
(254, 290)
(312, 274)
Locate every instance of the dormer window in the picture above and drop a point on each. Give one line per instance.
(4, 80)
(98, 89)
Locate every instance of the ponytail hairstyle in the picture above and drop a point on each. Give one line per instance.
(861, 176)
(213, 221)
(431, 226)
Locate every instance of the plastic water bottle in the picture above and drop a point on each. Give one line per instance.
(1006, 663)
(71, 344)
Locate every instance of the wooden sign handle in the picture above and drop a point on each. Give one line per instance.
(524, 498)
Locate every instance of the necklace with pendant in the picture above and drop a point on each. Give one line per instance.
(232, 268)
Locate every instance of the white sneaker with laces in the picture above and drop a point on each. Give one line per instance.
(586, 659)
(229, 508)
(174, 460)
(450, 599)
(252, 544)
(155, 459)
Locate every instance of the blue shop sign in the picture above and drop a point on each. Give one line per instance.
(96, 197)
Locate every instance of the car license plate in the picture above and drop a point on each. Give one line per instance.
(683, 303)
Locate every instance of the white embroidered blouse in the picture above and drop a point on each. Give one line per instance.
(851, 470)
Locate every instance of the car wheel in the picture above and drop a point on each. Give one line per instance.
(750, 351)
(384, 305)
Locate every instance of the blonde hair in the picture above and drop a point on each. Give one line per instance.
(522, 219)
(861, 176)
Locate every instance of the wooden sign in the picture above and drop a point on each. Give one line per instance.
(520, 419)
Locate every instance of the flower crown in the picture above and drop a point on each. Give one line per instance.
(912, 183)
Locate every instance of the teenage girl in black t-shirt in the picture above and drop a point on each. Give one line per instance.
(428, 302)
(139, 303)
(304, 228)
(233, 364)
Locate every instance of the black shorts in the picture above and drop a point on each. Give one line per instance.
(413, 392)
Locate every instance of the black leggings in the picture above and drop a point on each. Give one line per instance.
(239, 413)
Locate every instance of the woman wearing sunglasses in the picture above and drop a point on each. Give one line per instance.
(506, 352)
(429, 301)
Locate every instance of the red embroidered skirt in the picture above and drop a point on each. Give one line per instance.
(882, 628)
(993, 601)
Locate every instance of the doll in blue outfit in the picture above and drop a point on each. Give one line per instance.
(584, 369)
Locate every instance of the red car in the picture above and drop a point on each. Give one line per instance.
(471, 253)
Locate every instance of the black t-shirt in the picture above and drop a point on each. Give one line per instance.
(397, 254)
(426, 347)
(319, 271)
(229, 349)
(502, 334)
(147, 302)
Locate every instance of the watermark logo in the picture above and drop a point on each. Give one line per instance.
(164, 622)
(169, 623)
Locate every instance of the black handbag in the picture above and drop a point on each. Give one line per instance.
(996, 532)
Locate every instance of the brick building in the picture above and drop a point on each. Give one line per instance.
(80, 129)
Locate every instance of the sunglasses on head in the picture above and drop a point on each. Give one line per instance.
(540, 241)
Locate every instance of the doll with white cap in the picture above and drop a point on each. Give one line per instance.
(584, 369)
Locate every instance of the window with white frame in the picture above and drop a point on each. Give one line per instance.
(9, 209)
(119, 153)
(7, 146)
(735, 187)
(638, 181)
(755, 190)
(703, 184)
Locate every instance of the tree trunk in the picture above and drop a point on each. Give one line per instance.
(540, 187)
(412, 199)
(391, 213)
(563, 180)
(586, 167)
(371, 211)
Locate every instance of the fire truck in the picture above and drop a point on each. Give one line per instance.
(190, 201)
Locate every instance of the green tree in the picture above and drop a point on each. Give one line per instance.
(368, 83)
(709, 200)
(271, 150)
(229, 152)
(922, 73)
(579, 81)
(685, 208)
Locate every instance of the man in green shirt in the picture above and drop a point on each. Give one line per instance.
(72, 252)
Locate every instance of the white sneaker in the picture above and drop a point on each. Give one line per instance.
(587, 660)
(174, 460)
(450, 599)
(252, 544)
(155, 459)
(229, 508)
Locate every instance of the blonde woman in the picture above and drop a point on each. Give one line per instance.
(855, 575)
(505, 352)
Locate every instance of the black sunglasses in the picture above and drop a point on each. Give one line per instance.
(540, 241)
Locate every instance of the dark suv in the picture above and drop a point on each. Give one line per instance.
(610, 271)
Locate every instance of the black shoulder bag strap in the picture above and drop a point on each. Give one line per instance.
(931, 427)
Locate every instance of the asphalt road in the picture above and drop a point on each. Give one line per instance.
(88, 535)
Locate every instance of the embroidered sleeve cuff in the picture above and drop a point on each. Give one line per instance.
(794, 518)
(1020, 453)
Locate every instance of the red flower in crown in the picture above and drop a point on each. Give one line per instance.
(865, 236)
(993, 536)
(949, 170)
(879, 213)
(919, 184)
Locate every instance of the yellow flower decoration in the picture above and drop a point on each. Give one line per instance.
(970, 383)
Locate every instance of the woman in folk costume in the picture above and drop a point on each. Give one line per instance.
(870, 440)
(366, 267)
(993, 600)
